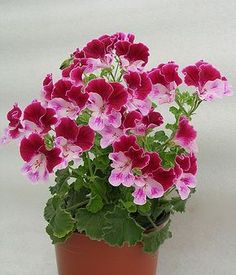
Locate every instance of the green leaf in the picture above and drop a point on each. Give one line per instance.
(95, 204)
(146, 208)
(62, 223)
(160, 136)
(55, 239)
(61, 187)
(51, 207)
(178, 204)
(92, 224)
(99, 186)
(49, 142)
(153, 240)
(78, 184)
(66, 63)
(130, 206)
(121, 228)
(101, 162)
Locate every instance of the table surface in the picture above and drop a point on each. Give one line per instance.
(37, 35)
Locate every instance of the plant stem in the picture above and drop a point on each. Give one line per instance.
(89, 165)
(151, 221)
(77, 205)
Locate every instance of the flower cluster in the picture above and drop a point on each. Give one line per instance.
(105, 101)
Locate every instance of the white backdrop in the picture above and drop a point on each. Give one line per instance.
(35, 36)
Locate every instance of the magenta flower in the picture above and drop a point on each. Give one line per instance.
(165, 79)
(139, 87)
(208, 81)
(73, 140)
(105, 102)
(38, 119)
(140, 124)
(67, 100)
(154, 180)
(126, 156)
(39, 161)
(133, 56)
(185, 170)
(47, 88)
(186, 135)
(15, 128)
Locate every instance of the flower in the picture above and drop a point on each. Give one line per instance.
(133, 56)
(15, 128)
(73, 140)
(208, 81)
(154, 180)
(47, 88)
(109, 135)
(185, 170)
(67, 100)
(139, 87)
(40, 162)
(186, 135)
(140, 124)
(126, 156)
(105, 102)
(165, 79)
(38, 119)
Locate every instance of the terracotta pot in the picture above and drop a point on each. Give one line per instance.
(81, 256)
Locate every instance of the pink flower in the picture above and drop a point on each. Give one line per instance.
(109, 135)
(186, 135)
(139, 87)
(15, 128)
(105, 102)
(154, 180)
(207, 80)
(73, 140)
(38, 119)
(140, 124)
(39, 161)
(47, 87)
(68, 100)
(165, 79)
(125, 158)
(97, 52)
(185, 170)
(133, 56)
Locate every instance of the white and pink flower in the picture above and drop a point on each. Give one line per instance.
(208, 81)
(105, 102)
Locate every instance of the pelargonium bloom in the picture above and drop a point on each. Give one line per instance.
(126, 156)
(47, 88)
(140, 124)
(37, 118)
(73, 140)
(208, 81)
(133, 56)
(154, 180)
(40, 162)
(67, 100)
(15, 128)
(105, 102)
(109, 135)
(139, 87)
(186, 135)
(185, 170)
(165, 79)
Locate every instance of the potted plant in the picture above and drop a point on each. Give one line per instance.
(121, 169)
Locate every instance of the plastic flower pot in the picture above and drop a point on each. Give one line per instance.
(80, 255)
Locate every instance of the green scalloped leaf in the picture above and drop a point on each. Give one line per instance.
(95, 204)
(121, 228)
(62, 223)
(92, 224)
(153, 240)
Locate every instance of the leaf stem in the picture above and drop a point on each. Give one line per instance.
(77, 205)
(151, 221)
